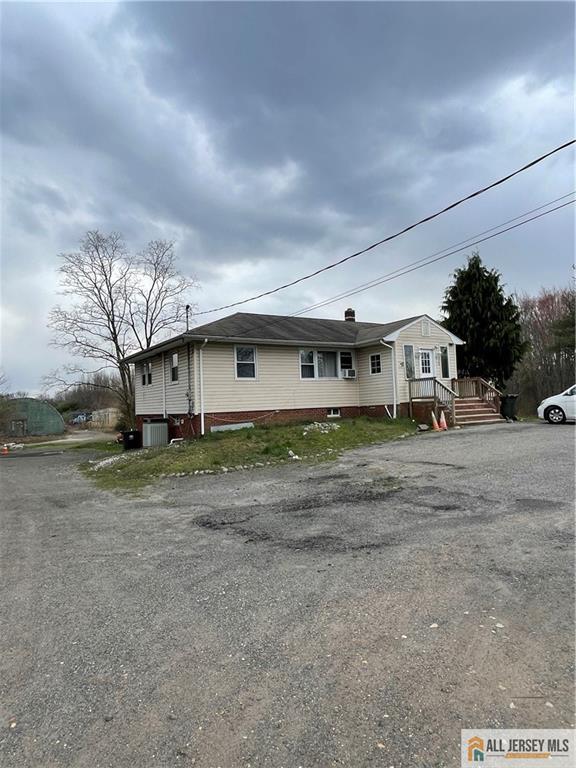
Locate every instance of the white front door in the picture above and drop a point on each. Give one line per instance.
(426, 363)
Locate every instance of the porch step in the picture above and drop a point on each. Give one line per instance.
(478, 416)
(496, 419)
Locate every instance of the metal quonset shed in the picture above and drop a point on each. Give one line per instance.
(27, 416)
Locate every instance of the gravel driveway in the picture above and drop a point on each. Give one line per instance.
(357, 613)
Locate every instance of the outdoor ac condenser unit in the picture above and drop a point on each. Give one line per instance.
(154, 433)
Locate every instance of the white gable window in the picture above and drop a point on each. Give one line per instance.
(425, 326)
(245, 362)
(376, 363)
(174, 368)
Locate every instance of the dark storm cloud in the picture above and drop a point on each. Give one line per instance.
(268, 137)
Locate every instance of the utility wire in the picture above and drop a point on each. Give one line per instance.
(421, 263)
(418, 265)
(393, 236)
(466, 242)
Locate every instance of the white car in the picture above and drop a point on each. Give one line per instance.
(558, 408)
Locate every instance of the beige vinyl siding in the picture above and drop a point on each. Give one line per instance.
(149, 399)
(375, 388)
(176, 400)
(413, 335)
(277, 385)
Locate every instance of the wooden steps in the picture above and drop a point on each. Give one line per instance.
(472, 411)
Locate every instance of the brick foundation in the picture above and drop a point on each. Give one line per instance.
(182, 425)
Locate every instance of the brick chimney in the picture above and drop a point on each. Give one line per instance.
(350, 315)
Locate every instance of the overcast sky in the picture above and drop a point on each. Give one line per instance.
(269, 139)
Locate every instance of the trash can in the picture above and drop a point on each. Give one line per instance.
(508, 407)
(132, 438)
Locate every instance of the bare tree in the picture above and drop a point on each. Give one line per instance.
(121, 303)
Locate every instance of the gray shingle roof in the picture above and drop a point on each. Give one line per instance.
(287, 328)
(281, 329)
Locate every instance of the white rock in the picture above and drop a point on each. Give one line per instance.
(433, 626)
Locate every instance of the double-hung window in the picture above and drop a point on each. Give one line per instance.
(327, 364)
(409, 361)
(245, 362)
(324, 363)
(146, 373)
(376, 363)
(346, 361)
(174, 368)
(444, 362)
(307, 364)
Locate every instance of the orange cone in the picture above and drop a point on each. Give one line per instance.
(443, 426)
(435, 427)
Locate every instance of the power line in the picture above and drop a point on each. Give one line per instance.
(393, 236)
(429, 259)
(393, 275)
(421, 263)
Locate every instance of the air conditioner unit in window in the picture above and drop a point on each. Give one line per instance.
(349, 373)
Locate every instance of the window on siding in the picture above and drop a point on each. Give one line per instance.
(327, 364)
(346, 361)
(245, 362)
(376, 363)
(307, 368)
(174, 367)
(425, 326)
(444, 362)
(409, 361)
(146, 373)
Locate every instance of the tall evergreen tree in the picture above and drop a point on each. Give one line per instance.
(478, 311)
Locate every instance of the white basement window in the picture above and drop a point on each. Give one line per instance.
(376, 363)
(333, 413)
(245, 362)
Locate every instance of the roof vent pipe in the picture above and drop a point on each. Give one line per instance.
(350, 315)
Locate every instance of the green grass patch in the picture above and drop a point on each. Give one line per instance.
(240, 448)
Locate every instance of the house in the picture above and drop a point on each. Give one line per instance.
(269, 368)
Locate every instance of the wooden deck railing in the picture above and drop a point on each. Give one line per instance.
(477, 387)
(432, 389)
(445, 397)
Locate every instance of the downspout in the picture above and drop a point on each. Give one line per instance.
(201, 377)
(394, 395)
(164, 384)
(189, 390)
